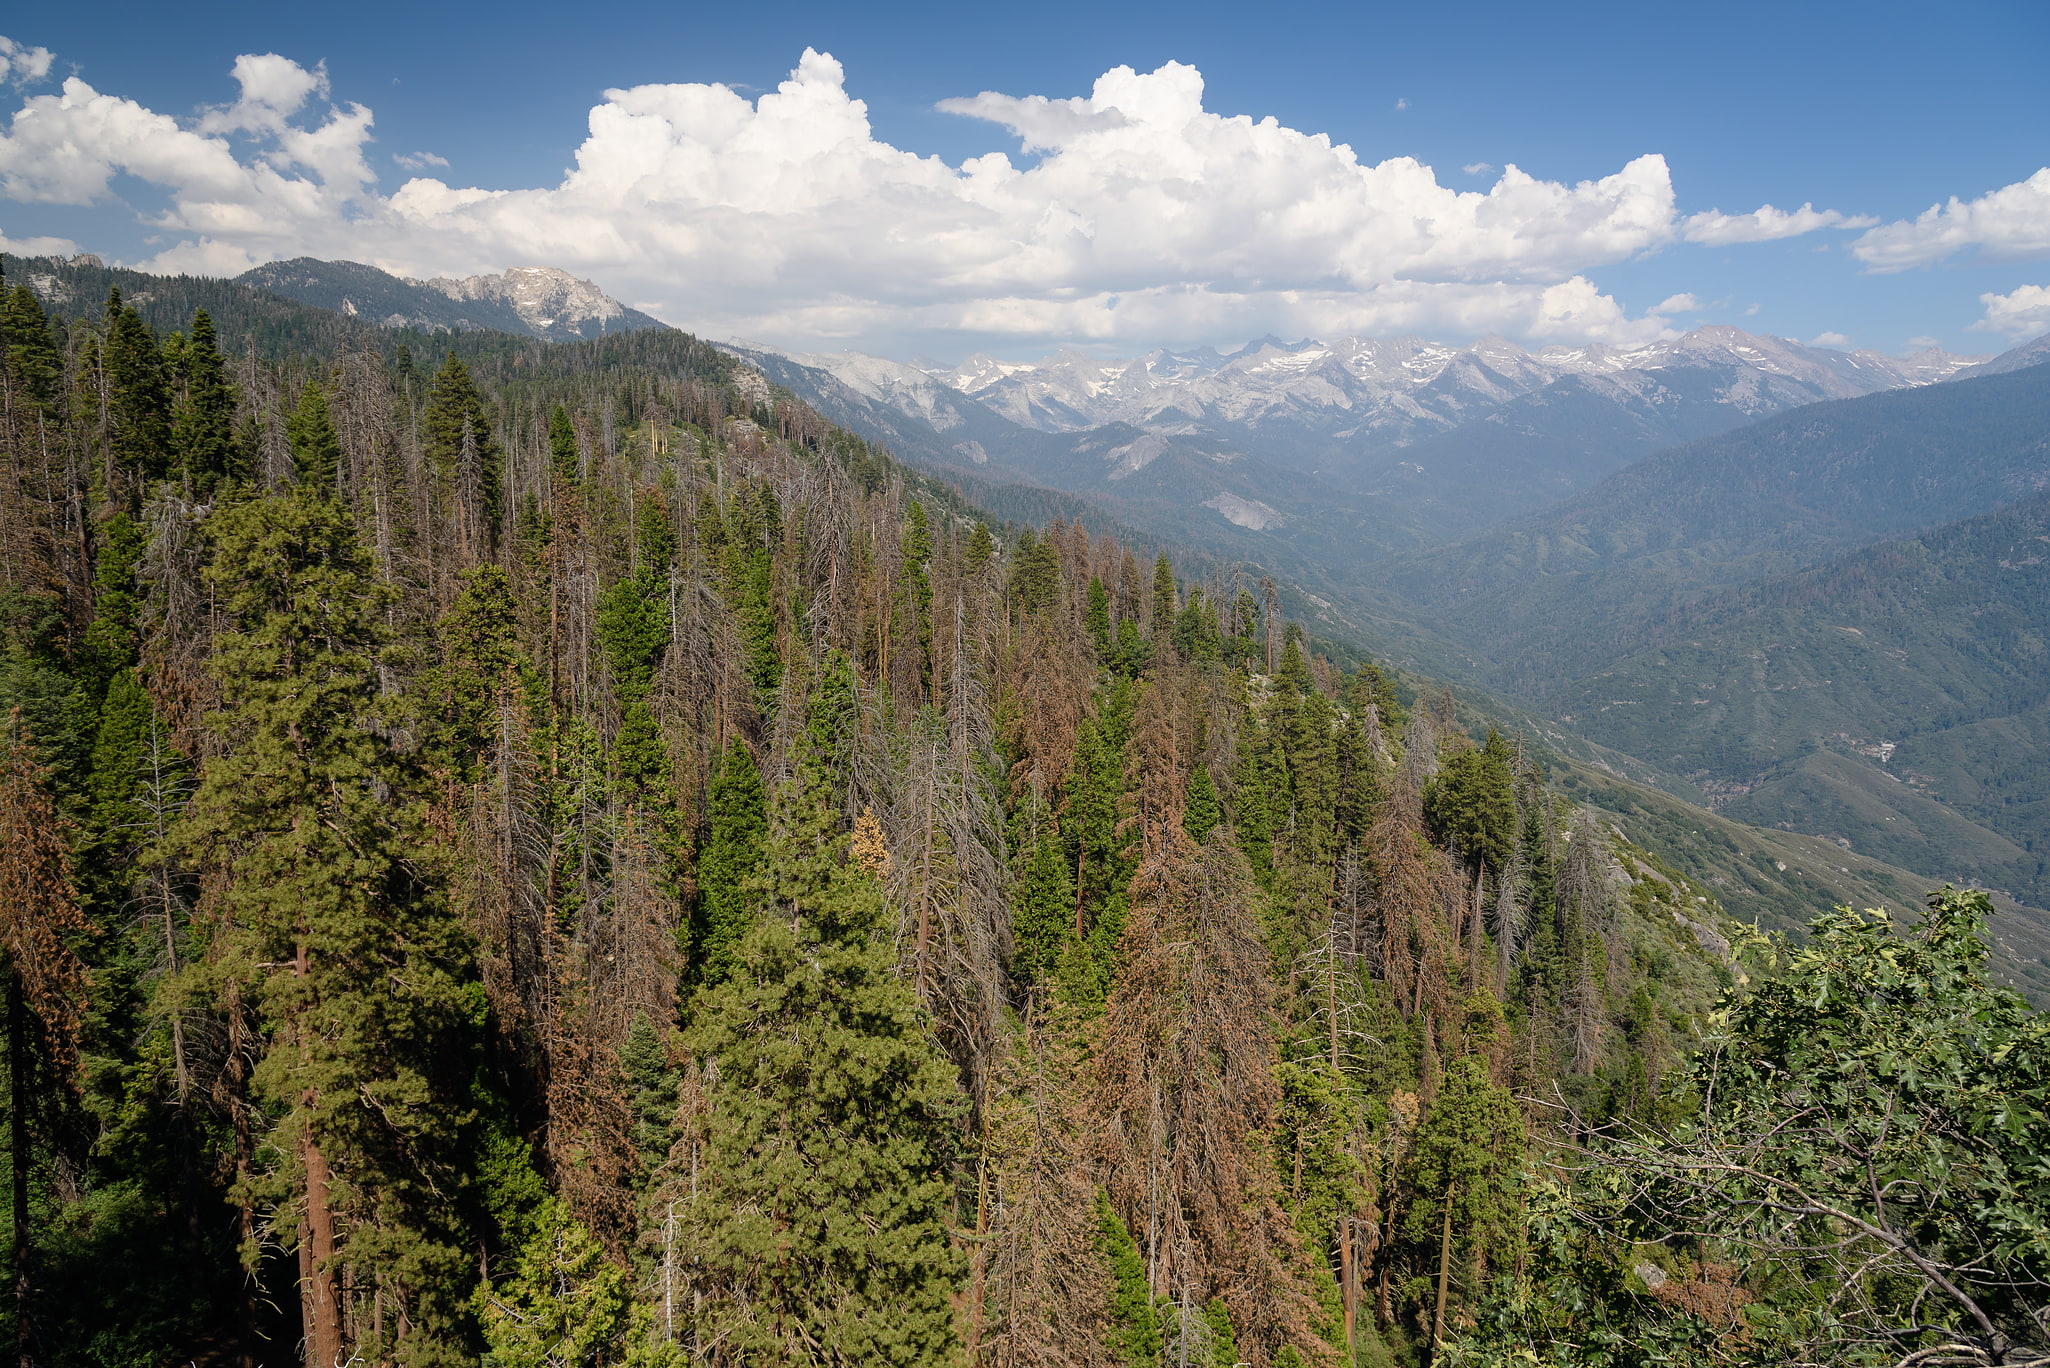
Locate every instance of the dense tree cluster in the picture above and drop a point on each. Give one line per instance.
(565, 862)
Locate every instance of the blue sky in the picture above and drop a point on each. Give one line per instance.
(1874, 111)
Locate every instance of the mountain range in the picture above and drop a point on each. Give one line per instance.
(541, 301)
(1455, 438)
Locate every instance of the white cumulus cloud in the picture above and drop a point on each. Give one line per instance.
(418, 161)
(1828, 339)
(1137, 215)
(2008, 224)
(2019, 313)
(1764, 224)
(1677, 304)
(22, 65)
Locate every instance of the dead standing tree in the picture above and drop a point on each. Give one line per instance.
(1184, 1080)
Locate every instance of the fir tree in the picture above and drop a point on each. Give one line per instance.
(358, 971)
(1163, 596)
(203, 425)
(562, 445)
(33, 363)
(138, 398)
(565, 1305)
(316, 448)
(728, 858)
(1135, 1340)
(44, 985)
(459, 442)
(1472, 803)
(1464, 1174)
(1042, 907)
(822, 1219)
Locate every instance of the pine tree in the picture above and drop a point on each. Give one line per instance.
(1163, 596)
(1135, 1323)
(1463, 1172)
(1042, 906)
(728, 858)
(316, 448)
(138, 398)
(821, 1224)
(562, 444)
(33, 363)
(1472, 804)
(203, 424)
(566, 1305)
(359, 973)
(459, 442)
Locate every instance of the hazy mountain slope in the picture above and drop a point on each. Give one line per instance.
(1775, 877)
(1544, 598)
(2021, 357)
(1431, 442)
(1187, 489)
(538, 300)
(1821, 700)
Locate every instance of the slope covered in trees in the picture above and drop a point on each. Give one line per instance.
(1541, 598)
(1894, 697)
(559, 854)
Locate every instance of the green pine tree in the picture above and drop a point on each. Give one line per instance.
(203, 425)
(138, 398)
(456, 429)
(1472, 803)
(1042, 907)
(32, 359)
(1135, 1339)
(316, 447)
(359, 973)
(565, 1305)
(728, 859)
(822, 1224)
(562, 444)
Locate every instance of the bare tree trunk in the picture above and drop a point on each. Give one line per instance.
(18, 1156)
(1444, 1279)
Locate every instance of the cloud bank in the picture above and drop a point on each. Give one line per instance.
(2019, 313)
(1132, 214)
(2008, 224)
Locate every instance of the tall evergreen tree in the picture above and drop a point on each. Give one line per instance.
(203, 423)
(728, 858)
(138, 398)
(44, 987)
(459, 442)
(33, 363)
(359, 973)
(822, 1217)
(316, 447)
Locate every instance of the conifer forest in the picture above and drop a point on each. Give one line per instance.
(557, 856)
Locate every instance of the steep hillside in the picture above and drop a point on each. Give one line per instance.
(1828, 700)
(1543, 598)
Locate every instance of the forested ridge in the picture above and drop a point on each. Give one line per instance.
(559, 855)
